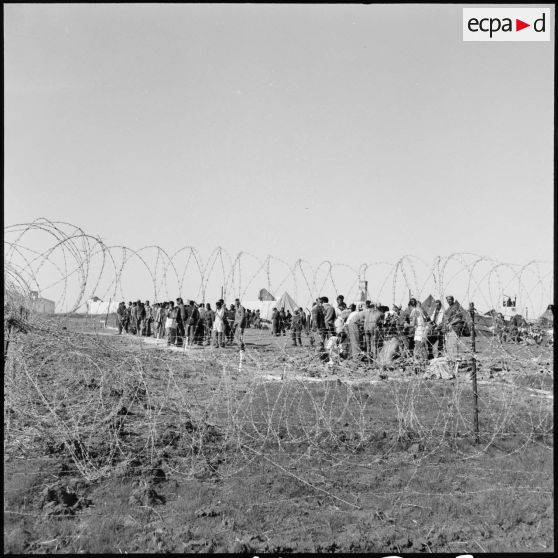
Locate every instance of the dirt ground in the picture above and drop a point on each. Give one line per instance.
(115, 444)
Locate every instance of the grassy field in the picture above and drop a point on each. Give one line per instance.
(115, 445)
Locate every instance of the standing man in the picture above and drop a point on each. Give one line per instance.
(372, 319)
(148, 320)
(231, 313)
(208, 318)
(219, 324)
(171, 323)
(275, 322)
(329, 316)
(296, 327)
(352, 324)
(454, 325)
(340, 304)
(282, 321)
(191, 323)
(239, 321)
(140, 313)
(436, 334)
(181, 319)
(121, 318)
(317, 323)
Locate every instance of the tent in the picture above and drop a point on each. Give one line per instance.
(265, 295)
(287, 302)
(547, 319)
(264, 306)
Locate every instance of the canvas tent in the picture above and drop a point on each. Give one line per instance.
(264, 306)
(287, 303)
(265, 295)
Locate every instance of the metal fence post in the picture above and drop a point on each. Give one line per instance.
(474, 373)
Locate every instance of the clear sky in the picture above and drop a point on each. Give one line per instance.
(352, 133)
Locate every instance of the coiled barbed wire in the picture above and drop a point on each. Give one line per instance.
(110, 406)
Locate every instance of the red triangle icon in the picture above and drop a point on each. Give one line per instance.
(519, 25)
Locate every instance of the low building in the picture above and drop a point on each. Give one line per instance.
(41, 305)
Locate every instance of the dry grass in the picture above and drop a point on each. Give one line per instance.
(170, 451)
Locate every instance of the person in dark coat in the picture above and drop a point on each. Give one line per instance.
(121, 318)
(191, 324)
(140, 317)
(329, 316)
(296, 328)
(208, 319)
(231, 312)
(288, 319)
(282, 320)
(275, 322)
(181, 319)
(317, 323)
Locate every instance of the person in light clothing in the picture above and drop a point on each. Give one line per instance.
(352, 325)
(436, 333)
(219, 325)
(417, 320)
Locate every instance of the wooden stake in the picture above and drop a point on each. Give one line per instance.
(474, 373)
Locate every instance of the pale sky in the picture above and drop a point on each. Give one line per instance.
(354, 133)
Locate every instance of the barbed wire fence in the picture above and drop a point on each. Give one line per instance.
(125, 409)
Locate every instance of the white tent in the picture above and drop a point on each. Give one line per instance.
(264, 306)
(287, 303)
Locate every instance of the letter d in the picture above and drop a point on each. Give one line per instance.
(541, 19)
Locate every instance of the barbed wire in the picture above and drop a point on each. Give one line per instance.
(74, 266)
(122, 406)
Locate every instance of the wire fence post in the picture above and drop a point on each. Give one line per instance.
(108, 310)
(474, 373)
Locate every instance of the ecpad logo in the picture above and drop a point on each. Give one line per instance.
(506, 24)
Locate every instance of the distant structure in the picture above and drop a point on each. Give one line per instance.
(41, 305)
(265, 295)
(509, 309)
(95, 306)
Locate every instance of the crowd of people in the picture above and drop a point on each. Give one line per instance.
(373, 332)
(365, 331)
(191, 323)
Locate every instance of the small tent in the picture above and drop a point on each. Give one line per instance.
(264, 306)
(287, 303)
(265, 295)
